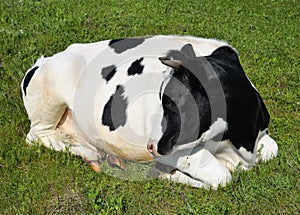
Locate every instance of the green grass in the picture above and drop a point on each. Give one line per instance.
(36, 180)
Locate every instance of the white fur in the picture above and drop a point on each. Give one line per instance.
(203, 168)
(66, 96)
(266, 148)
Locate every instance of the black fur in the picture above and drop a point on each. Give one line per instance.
(136, 67)
(196, 82)
(108, 72)
(28, 77)
(122, 45)
(114, 113)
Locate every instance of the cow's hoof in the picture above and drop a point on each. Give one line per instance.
(115, 161)
(95, 167)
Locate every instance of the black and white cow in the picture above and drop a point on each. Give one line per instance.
(182, 101)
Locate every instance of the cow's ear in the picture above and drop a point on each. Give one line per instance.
(227, 55)
(188, 51)
(175, 64)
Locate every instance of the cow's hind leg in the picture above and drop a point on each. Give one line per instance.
(44, 120)
(56, 132)
(47, 96)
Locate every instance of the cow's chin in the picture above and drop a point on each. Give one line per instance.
(152, 148)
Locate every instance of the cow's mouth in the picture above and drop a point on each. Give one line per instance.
(151, 146)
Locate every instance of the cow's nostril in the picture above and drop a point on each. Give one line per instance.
(150, 146)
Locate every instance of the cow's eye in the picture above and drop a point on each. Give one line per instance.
(171, 103)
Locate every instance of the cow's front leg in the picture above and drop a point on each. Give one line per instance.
(201, 166)
(266, 148)
(183, 178)
(162, 171)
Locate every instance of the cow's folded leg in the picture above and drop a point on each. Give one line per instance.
(203, 166)
(266, 148)
(200, 165)
(182, 178)
(61, 141)
(166, 172)
(46, 138)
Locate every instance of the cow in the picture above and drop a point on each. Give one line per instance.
(180, 101)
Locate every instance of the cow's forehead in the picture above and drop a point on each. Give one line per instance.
(167, 74)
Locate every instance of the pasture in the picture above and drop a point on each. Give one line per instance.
(37, 180)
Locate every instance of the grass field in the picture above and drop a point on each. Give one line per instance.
(36, 180)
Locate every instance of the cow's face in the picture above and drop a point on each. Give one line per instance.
(184, 101)
(180, 114)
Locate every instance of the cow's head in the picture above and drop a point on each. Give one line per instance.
(187, 99)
